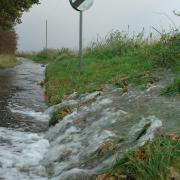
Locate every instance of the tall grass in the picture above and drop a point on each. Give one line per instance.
(165, 52)
(116, 44)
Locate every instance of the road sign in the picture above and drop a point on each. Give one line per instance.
(81, 5)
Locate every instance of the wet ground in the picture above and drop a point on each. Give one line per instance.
(22, 122)
(106, 124)
(21, 99)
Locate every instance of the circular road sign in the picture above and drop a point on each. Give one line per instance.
(81, 5)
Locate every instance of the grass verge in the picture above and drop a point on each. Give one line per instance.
(116, 59)
(63, 77)
(7, 61)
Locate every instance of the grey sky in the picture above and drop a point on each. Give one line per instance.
(104, 16)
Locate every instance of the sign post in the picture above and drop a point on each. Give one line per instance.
(81, 5)
(46, 34)
(81, 41)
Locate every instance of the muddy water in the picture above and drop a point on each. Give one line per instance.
(22, 122)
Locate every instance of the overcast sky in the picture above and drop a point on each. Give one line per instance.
(104, 16)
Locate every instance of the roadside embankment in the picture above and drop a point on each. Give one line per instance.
(90, 133)
(119, 60)
(106, 135)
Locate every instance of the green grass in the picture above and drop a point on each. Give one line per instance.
(153, 161)
(7, 61)
(111, 60)
(63, 77)
(173, 88)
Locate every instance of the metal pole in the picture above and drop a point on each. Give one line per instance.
(81, 41)
(46, 33)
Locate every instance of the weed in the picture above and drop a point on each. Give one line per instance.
(172, 89)
(59, 115)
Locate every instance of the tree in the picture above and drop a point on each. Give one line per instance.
(10, 14)
(11, 11)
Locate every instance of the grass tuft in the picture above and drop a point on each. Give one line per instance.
(173, 89)
(153, 161)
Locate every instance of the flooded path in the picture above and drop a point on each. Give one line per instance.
(22, 122)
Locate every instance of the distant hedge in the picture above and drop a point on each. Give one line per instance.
(8, 42)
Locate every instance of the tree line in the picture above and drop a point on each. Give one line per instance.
(10, 15)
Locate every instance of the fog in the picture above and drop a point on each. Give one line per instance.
(103, 17)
